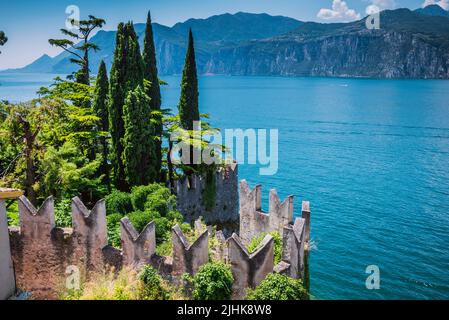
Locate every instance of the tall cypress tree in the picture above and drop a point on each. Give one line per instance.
(126, 76)
(116, 100)
(154, 91)
(188, 103)
(100, 106)
(137, 142)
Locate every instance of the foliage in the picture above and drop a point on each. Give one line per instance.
(119, 202)
(138, 145)
(188, 103)
(108, 286)
(80, 50)
(153, 285)
(210, 191)
(140, 194)
(212, 282)
(100, 107)
(114, 233)
(279, 287)
(126, 75)
(277, 239)
(154, 93)
(63, 213)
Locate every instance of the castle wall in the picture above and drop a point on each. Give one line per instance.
(293, 252)
(249, 269)
(7, 281)
(253, 221)
(188, 258)
(225, 212)
(137, 248)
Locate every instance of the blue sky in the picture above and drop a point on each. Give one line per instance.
(29, 23)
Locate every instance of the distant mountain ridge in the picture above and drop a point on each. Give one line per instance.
(410, 44)
(210, 35)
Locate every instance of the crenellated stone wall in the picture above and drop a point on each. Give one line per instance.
(225, 212)
(293, 250)
(253, 221)
(41, 253)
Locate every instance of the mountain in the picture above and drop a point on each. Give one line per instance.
(433, 10)
(171, 43)
(408, 45)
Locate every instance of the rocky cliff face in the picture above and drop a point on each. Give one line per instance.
(368, 53)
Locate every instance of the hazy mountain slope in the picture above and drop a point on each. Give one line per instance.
(408, 45)
(210, 35)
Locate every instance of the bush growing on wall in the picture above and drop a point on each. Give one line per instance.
(277, 240)
(212, 282)
(279, 287)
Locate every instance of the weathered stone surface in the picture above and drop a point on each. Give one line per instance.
(225, 212)
(90, 234)
(306, 216)
(7, 281)
(188, 258)
(137, 248)
(41, 253)
(293, 249)
(249, 269)
(253, 221)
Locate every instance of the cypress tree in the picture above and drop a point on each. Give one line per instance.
(137, 142)
(100, 106)
(116, 100)
(154, 91)
(126, 76)
(188, 104)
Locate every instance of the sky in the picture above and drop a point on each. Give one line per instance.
(29, 24)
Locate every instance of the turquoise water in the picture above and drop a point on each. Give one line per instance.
(372, 156)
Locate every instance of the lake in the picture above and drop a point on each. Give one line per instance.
(372, 157)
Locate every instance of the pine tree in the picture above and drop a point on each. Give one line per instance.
(188, 104)
(100, 106)
(80, 51)
(153, 91)
(137, 141)
(126, 75)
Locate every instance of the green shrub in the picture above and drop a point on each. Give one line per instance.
(212, 282)
(161, 200)
(119, 202)
(114, 233)
(277, 239)
(279, 287)
(153, 285)
(12, 213)
(140, 219)
(139, 195)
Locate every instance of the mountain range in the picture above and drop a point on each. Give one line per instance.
(409, 44)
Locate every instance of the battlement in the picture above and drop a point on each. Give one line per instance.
(41, 252)
(137, 248)
(188, 258)
(253, 221)
(249, 269)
